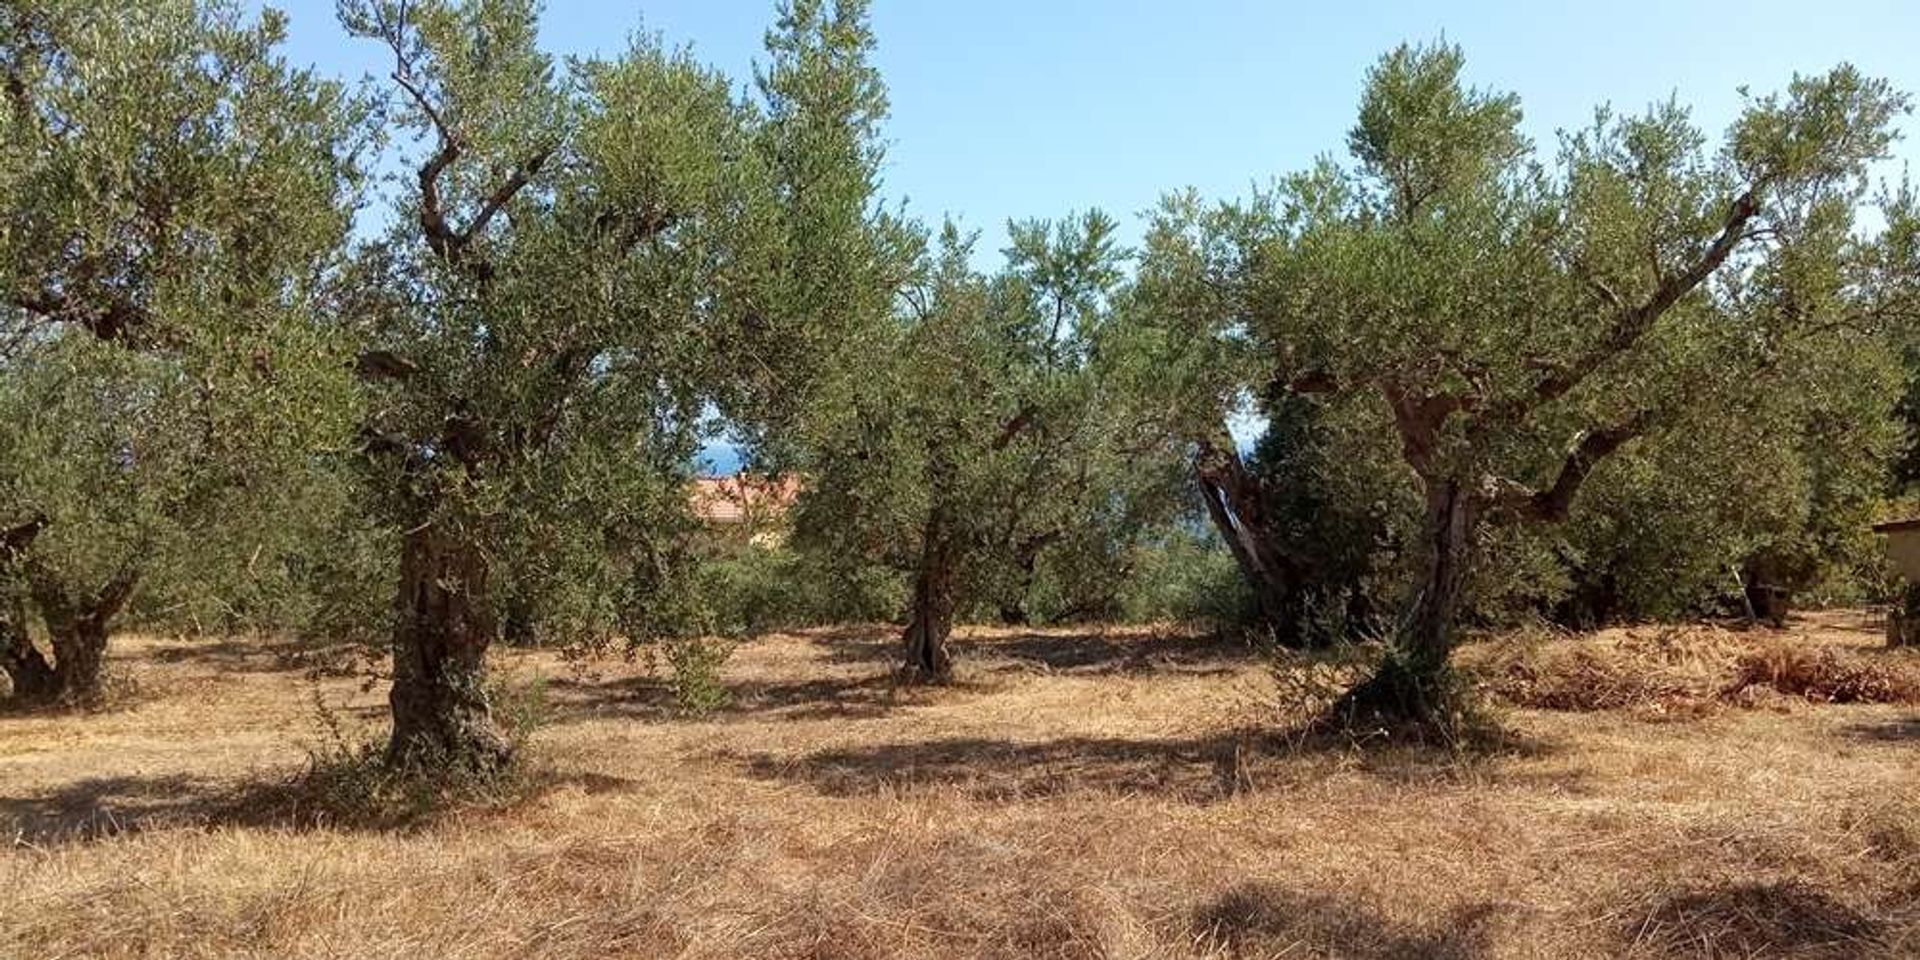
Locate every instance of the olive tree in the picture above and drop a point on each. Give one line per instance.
(975, 431)
(172, 197)
(587, 269)
(1520, 321)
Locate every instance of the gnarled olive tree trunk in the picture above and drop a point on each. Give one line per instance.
(930, 622)
(1236, 503)
(77, 629)
(1410, 683)
(445, 623)
(31, 676)
(28, 672)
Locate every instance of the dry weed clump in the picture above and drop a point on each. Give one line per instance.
(1685, 671)
(1826, 675)
(1667, 671)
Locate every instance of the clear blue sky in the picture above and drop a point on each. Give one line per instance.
(1022, 108)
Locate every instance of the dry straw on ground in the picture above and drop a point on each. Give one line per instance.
(1077, 795)
(1692, 669)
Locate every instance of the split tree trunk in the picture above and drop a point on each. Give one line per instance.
(1236, 503)
(29, 674)
(1410, 684)
(445, 623)
(931, 622)
(32, 677)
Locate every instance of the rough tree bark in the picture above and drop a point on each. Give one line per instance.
(1410, 683)
(32, 677)
(441, 716)
(931, 621)
(77, 629)
(1236, 503)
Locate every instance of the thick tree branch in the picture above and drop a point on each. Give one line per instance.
(504, 194)
(1013, 427)
(114, 595)
(1420, 419)
(1552, 504)
(441, 237)
(1631, 324)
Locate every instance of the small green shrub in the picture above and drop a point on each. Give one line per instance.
(1186, 577)
(695, 663)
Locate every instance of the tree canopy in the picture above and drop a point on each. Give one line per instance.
(1518, 321)
(173, 198)
(1612, 376)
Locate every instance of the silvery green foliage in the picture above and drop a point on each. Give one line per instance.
(591, 264)
(1519, 317)
(172, 199)
(985, 415)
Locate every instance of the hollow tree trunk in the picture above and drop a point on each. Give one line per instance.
(445, 623)
(1236, 503)
(931, 621)
(1410, 683)
(32, 677)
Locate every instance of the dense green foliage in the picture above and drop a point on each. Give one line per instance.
(172, 198)
(975, 441)
(1518, 323)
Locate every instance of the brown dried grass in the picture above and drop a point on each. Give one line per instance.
(1076, 795)
(1686, 671)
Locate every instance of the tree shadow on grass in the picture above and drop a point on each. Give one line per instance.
(992, 769)
(99, 808)
(1270, 920)
(983, 662)
(875, 643)
(1202, 769)
(1752, 919)
(1085, 651)
(1901, 730)
(652, 699)
(1098, 653)
(260, 655)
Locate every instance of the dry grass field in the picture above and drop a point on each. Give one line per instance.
(1114, 794)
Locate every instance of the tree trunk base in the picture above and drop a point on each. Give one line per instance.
(1397, 699)
(445, 729)
(32, 678)
(441, 717)
(477, 750)
(927, 662)
(75, 679)
(34, 682)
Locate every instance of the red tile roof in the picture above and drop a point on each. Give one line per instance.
(743, 498)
